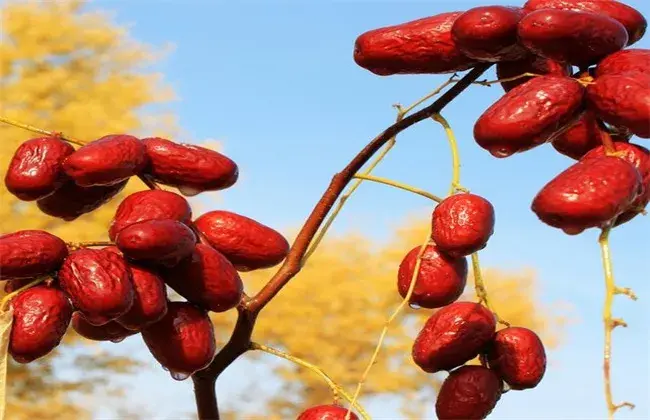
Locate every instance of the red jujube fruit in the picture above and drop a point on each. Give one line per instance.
(630, 60)
(326, 412)
(163, 242)
(40, 319)
(462, 224)
(489, 33)
(622, 100)
(529, 115)
(247, 243)
(30, 253)
(106, 161)
(468, 393)
(583, 136)
(35, 171)
(206, 279)
(578, 38)
(517, 355)
(183, 340)
(440, 281)
(452, 336)
(533, 64)
(71, 201)
(111, 331)
(630, 18)
(588, 194)
(149, 205)
(98, 283)
(191, 169)
(415, 47)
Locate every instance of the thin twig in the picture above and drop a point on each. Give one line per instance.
(41, 131)
(400, 186)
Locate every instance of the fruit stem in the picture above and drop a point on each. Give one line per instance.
(4, 303)
(455, 156)
(401, 113)
(78, 245)
(507, 79)
(481, 290)
(609, 323)
(336, 389)
(399, 185)
(146, 179)
(40, 131)
(606, 138)
(396, 312)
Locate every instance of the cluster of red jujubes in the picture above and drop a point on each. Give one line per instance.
(588, 115)
(113, 292)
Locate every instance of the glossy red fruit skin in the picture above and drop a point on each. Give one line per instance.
(190, 168)
(422, 46)
(530, 64)
(441, 279)
(111, 331)
(578, 38)
(326, 412)
(40, 320)
(588, 194)
(639, 157)
(529, 115)
(462, 224)
(163, 242)
(517, 355)
(99, 284)
(583, 136)
(30, 253)
(183, 340)
(622, 100)
(468, 393)
(247, 243)
(624, 61)
(149, 205)
(489, 33)
(71, 201)
(206, 279)
(633, 21)
(106, 161)
(35, 171)
(452, 336)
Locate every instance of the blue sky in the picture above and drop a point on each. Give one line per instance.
(276, 84)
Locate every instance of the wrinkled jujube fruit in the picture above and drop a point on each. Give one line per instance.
(191, 169)
(207, 279)
(630, 18)
(631, 60)
(578, 38)
(517, 355)
(164, 242)
(326, 412)
(529, 115)
(440, 281)
(588, 194)
(40, 320)
(183, 340)
(582, 136)
(99, 284)
(462, 224)
(149, 205)
(489, 33)
(35, 171)
(468, 393)
(71, 201)
(639, 157)
(247, 243)
(531, 64)
(415, 47)
(111, 331)
(452, 336)
(622, 100)
(30, 253)
(106, 161)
